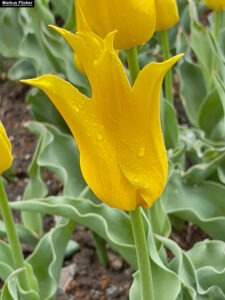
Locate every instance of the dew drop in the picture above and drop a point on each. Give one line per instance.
(76, 109)
(136, 180)
(99, 137)
(141, 152)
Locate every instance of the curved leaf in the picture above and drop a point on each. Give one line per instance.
(201, 204)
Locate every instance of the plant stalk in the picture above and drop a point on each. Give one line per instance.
(217, 23)
(142, 255)
(133, 64)
(168, 77)
(143, 258)
(13, 239)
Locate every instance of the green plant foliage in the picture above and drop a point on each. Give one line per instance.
(202, 76)
(192, 269)
(6, 261)
(100, 218)
(201, 204)
(48, 256)
(195, 190)
(13, 291)
(25, 38)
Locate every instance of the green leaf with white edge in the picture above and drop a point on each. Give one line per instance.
(208, 253)
(13, 291)
(165, 282)
(183, 267)
(135, 287)
(51, 155)
(202, 43)
(212, 117)
(6, 260)
(208, 258)
(220, 85)
(22, 69)
(169, 125)
(32, 39)
(9, 28)
(10, 291)
(202, 46)
(197, 147)
(221, 90)
(102, 219)
(200, 172)
(193, 89)
(222, 41)
(26, 236)
(47, 258)
(201, 269)
(48, 245)
(201, 204)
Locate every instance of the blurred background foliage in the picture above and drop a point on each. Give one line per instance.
(194, 131)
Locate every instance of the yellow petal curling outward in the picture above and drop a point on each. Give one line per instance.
(167, 14)
(5, 150)
(134, 20)
(217, 5)
(122, 154)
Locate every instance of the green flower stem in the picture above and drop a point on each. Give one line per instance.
(132, 60)
(13, 238)
(136, 218)
(218, 17)
(142, 255)
(216, 32)
(168, 78)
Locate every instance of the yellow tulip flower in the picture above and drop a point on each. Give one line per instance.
(134, 20)
(5, 150)
(167, 14)
(122, 153)
(217, 5)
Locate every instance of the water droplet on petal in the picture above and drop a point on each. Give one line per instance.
(76, 109)
(141, 152)
(99, 137)
(136, 180)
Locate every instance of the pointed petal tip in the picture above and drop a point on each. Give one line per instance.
(169, 63)
(28, 81)
(177, 57)
(59, 30)
(109, 40)
(35, 82)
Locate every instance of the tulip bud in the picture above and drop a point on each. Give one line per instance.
(167, 14)
(134, 20)
(217, 5)
(5, 150)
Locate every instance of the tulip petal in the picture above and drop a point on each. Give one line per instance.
(105, 72)
(87, 47)
(98, 155)
(119, 15)
(5, 150)
(216, 5)
(167, 14)
(141, 150)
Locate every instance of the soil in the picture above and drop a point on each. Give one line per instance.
(88, 279)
